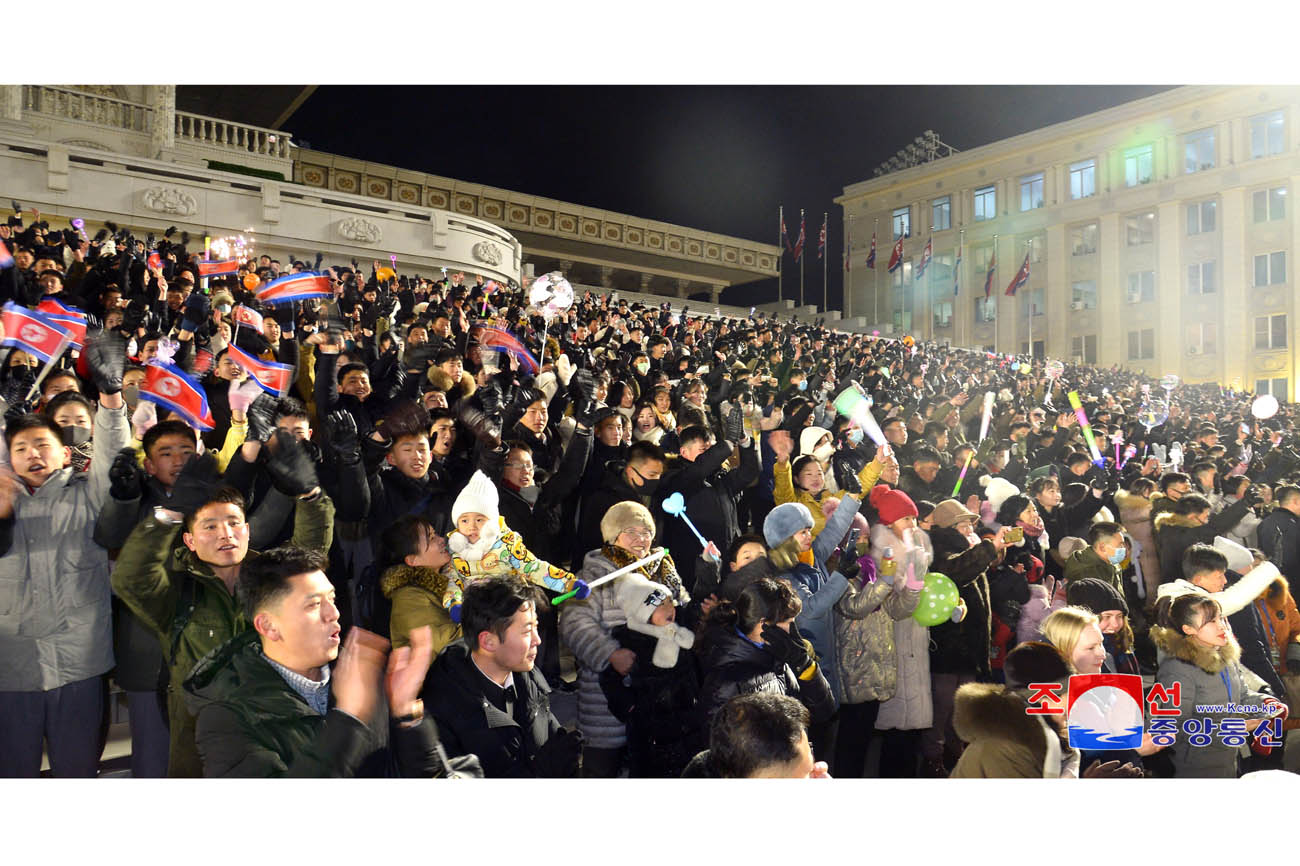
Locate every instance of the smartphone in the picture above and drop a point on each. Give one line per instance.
(1014, 535)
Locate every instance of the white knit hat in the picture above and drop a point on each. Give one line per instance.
(809, 437)
(639, 598)
(998, 490)
(479, 496)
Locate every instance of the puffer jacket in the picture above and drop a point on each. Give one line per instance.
(1177, 532)
(55, 621)
(1208, 675)
(585, 627)
(734, 666)
(911, 706)
(1135, 515)
(864, 637)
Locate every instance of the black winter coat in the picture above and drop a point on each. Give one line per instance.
(541, 525)
(1279, 538)
(734, 666)
(711, 496)
(469, 724)
(1175, 533)
(614, 488)
(659, 706)
(963, 648)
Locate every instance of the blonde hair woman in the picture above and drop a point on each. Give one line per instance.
(1076, 632)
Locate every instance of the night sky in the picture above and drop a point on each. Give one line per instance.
(719, 159)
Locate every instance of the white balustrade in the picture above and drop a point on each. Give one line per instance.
(67, 104)
(226, 135)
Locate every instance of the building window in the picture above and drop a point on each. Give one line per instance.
(1198, 150)
(1141, 287)
(1083, 295)
(1266, 134)
(986, 203)
(941, 214)
(986, 311)
(1270, 331)
(1142, 344)
(1035, 246)
(1140, 229)
(902, 222)
(1084, 348)
(903, 276)
(1270, 269)
(1138, 165)
(1200, 278)
(1031, 191)
(1276, 387)
(1083, 240)
(1033, 299)
(1270, 204)
(943, 314)
(1202, 338)
(1200, 217)
(1083, 178)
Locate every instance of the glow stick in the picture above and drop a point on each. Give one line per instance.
(854, 404)
(1085, 426)
(989, 398)
(654, 557)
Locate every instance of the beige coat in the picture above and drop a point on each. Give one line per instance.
(1135, 516)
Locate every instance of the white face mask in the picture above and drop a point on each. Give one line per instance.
(824, 452)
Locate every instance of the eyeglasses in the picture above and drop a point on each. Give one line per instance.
(638, 533)
(524, 466)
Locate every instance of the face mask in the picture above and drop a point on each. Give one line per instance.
(855, 437)
(824, 452)
(131, 394)
(803, 385)
(643, 368)
(648, 485)
(75, 435)
(1118, 556)
(529, 494)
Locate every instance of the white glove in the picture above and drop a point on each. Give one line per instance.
(242, 394)
(144, 417)
(564, 369)
(959, 612)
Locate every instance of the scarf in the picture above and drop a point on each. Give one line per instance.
(81, 456)
(663, 572)
(1030, 530)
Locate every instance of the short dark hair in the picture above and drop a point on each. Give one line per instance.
(752, 732)
(291, 407)
(349, 368)
(490, 604)
(925, 454)
(58, 401)
(62, 374)
(1076, 458)
(1103, 529)
(447, 354)
(693, 433)
(402, 539)
(1284, 493)
(170, 427)
(1169, 479)
(223, 494)
(741, 541)
(1192, 503)
(31, 422)
(644, 451)
(264, 579)
(1202, 559)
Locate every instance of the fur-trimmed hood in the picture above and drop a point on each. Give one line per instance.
(1168, 518)
(442, 382)
(1210, 659)
(984, 711)
(1127, 501)
(405, 575)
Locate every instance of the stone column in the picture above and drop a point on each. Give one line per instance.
(715, 292)
(163, 133)
(645, 283)
(683, 287)
(566, 268)
(606, 277)
(11, 102)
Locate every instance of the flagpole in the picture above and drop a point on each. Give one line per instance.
(847, 301)
(997, 311)
(803, 235)
(929, 290)
(875, 288)
(826, 257)
(1029, 303)
(956, 285)
(780, 242)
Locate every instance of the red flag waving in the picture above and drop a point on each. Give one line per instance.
(274, 378)
(248, 317)
(33, 332)
(798, 244)
(1021, 277)
(871, 256)
(169, 387)
(896, 257)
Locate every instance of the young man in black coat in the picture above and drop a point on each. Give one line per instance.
(1279, 533)
(486, 695)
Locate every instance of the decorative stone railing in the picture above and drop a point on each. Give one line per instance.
(67, 104)
(225, 135)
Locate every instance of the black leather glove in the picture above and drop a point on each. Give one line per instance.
(849, 564)
(261, 418)
(582, 386)
(125, 476)
(1251, 496)
(558, 758)
(343, 438)
(198, 308)
(193, 486)
(735, 428)
(789, 647)
(291, 470)
(418, 358)
(106, 357)
(489, 399)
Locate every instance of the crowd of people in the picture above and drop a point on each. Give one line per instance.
(391, 565)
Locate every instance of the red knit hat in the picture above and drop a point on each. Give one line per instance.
(891, 504)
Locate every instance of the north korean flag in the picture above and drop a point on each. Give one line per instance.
(227, 268)
(296, 287)
(1021, 277)
(71, 318)
(274, 378)
(246, 316)
(33, 332)
(896, 257)
(169, 387)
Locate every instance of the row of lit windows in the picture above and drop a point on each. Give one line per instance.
(1199, 154)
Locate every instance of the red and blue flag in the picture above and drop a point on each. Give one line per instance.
(274, 378)
(33, 332)
(501, 340)
(296, 287)
(169, 387)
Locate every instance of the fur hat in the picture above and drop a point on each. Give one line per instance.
(1008, 511)
(1034, 662)
(997, 491)
(622, 515)
(479, 496)
(891, 504)
(640, 598)
(784, 521)
(950, 512)
(1096, 595)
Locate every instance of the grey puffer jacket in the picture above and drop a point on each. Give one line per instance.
(55, 619)
(585, 628)
(864, 634)
(911, 707)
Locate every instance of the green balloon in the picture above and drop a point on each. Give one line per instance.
(938, 599)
